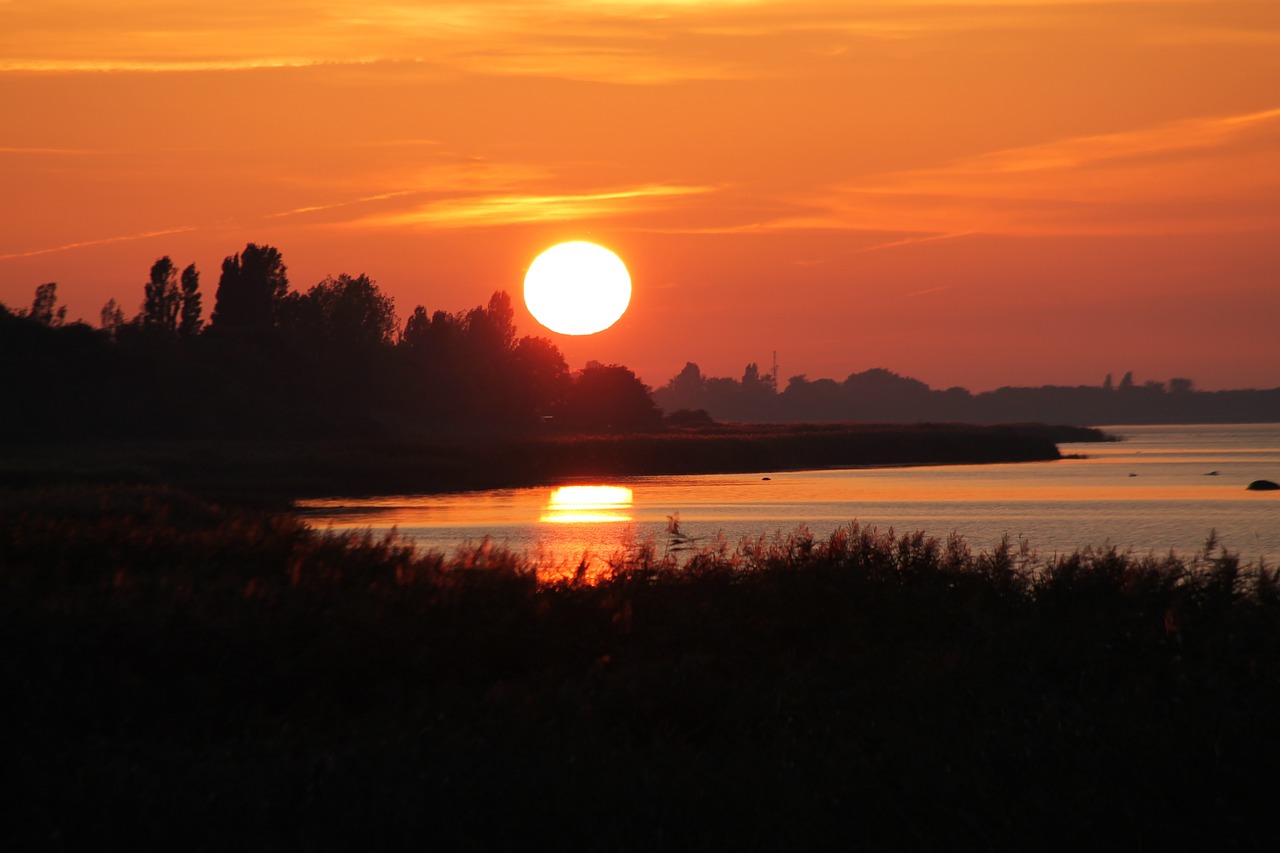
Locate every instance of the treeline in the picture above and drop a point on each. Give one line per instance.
(273, 362)
(879, 395)
(337, 361)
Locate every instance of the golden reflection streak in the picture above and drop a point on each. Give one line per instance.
(588, 505)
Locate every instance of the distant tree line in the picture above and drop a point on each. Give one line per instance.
(273, 362)
(337, 361)
(879, 395)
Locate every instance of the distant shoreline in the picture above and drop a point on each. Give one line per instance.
(277, 472)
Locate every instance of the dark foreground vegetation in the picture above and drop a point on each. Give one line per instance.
(187, 676)
(279, 471)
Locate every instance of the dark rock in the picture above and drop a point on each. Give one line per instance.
(1263, 486)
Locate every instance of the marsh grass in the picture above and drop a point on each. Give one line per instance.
(183, 673)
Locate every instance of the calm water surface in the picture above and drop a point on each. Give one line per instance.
(1161, 488)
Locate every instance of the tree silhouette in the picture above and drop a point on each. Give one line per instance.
(326, 365)
(162, 299)
(469, 367)
(686, 391)
(251, 290)
(609, 398)
(111, 318)
(541, 376)
(430, 350)
(416, 329)
(809, 400)
(344, 313)
(485, 379)
(189, 320)
(492, 329)
(44, 307)
(428, 337)
(759, 393)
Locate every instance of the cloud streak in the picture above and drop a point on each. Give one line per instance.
(491, 210)
(1202, 174)
(647, 41)
(84, 244)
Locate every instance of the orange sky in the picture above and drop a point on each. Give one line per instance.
(977, 194)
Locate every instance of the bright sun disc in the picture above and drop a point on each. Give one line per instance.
(577, 288)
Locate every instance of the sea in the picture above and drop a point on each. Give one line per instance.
(1155, 490)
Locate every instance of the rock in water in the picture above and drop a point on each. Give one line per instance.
(1263, 486)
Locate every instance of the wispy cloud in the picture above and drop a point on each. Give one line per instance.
(339, 205)
(70, 65)
(912, 241)
(615, 40)
(83, 244)
(1084, 151)
(928, 290)
(55, 152)
(1198, 174)
(508, 209)
(621, 41)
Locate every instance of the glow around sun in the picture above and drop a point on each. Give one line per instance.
(577, 288)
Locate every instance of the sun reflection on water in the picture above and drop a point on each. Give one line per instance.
(588, 504)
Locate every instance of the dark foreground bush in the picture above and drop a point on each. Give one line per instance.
(190, 676)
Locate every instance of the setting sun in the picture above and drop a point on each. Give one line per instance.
(577, 288)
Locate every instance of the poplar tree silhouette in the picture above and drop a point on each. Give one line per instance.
(250, 293)
(44, 307)
(189, 317)
(111, 317)
(163, 298)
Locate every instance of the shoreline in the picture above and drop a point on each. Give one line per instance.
(278, 472)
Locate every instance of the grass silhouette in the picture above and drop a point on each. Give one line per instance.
(180, 672)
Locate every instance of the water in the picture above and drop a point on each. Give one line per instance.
(1153, 492)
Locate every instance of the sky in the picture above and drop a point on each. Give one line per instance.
(1008, 192)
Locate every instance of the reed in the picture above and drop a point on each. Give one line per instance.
(181, 672)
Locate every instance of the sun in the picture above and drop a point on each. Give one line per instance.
(577, 288)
